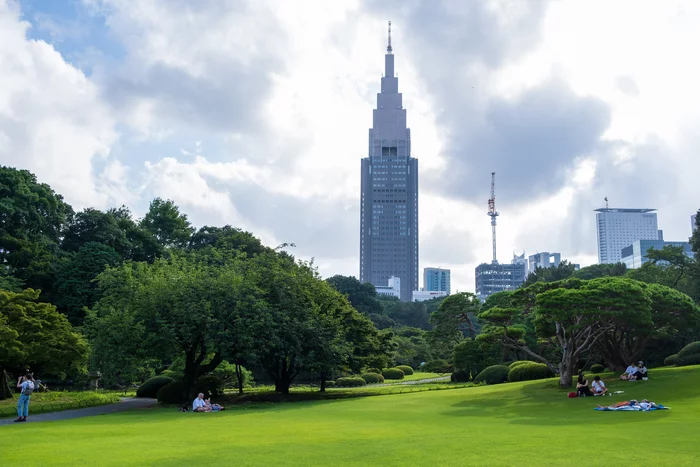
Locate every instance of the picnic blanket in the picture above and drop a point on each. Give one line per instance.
(632, 408)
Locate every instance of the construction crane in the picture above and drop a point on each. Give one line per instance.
(493, 214)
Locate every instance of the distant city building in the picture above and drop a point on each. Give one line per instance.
(693, 225)
(543, 260)
(436, 279)
(635, 255)
(389, 198)
(491, 278)
(392, 289)
(423, 295)
(619, 228)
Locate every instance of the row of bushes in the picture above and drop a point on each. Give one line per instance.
(374, 376)
(496, 374)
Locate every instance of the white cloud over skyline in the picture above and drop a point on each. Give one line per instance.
(255, 114)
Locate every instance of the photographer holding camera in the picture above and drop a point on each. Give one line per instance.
(26, 384)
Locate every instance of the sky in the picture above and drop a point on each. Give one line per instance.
(254, 113)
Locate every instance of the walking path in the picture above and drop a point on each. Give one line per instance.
(418, 381)
(126, 403)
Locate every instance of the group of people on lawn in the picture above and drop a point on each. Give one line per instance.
(200, 404)
(633, 372)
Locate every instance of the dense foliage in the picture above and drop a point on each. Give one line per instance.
(671, 360)
(689, 355)
(150, 387)
(529, 371)
(495, 374)
(373, 378)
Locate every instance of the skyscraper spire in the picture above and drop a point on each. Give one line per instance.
(388, 47)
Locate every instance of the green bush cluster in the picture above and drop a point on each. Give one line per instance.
(151, 386)
(671, 360)
(518, 363)
(495, 374)
(349, 382)
(437, 366)
(597, 368)
(210, 385)
(330, 384)
(172, 393)
(530, 371)
(392, 373)
(460, 376)
(689, 355)
(407, 370)
(373, 378)
(373, 370)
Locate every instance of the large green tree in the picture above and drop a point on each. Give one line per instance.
(34, 336)
(226, 238)
(562, 271)
(94, 226)
(169, 226)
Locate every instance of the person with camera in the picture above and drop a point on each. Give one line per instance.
(26, 384)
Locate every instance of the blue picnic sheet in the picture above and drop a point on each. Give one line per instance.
(631, 408)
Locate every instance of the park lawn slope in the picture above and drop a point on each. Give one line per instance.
(54, 401)
(522, 424)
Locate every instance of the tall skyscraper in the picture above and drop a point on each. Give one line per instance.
(436, 280)
(619, 228)
(389, 199)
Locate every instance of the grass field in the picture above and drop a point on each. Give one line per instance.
(516, 424)
(42, 402)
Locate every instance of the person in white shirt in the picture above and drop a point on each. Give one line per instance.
(598, 387)
(629, 372)
(200, 405)
(26, 384)
(640, 373)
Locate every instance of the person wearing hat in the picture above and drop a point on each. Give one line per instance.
(640, 373)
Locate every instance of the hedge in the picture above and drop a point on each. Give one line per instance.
(519, 362)
(349, 382)
(460, 376)
(529, 372)
(392, 373)
(597, 368)
(671, 360)
(373, 370)
(495, 374)
(372, 378)
(172, 393)
(689, 355)
(151, 386)
(330, 384)
(437, 366)
(407, 370)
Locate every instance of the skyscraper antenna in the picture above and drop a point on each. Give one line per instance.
(388, 47)
(606, 202)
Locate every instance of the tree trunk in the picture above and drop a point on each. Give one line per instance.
(282, 384)
(5, 390)
(566, 368)
(239, 377)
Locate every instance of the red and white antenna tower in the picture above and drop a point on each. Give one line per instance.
(493, 214)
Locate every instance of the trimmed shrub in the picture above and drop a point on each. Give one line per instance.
(392, 373)
(460, 376)
(597, 368)
(671, 360)
(172, 393)
(495, 374)
(330, 384)
(407, 370)
(518, 363)
(373, 370)
(350, 382)
(529, 372)
(151, 386)
(689, 355)
(373, 378)
(437, 366)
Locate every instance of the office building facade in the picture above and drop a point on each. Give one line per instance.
(392, 289)
(635, 255)
(436, 280)
(543, 260)
(491, 278)
(423, 295)
(389, 198)
(619, 228)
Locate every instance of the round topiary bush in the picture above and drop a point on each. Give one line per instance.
(671, 360)
(392, 373)
(151, 386)
(597, 368)
(529, 372)
(460, 376)
(330, 384)
(172, 393)
(689, 355)
(519, 362)
(373, 378)
(350, 382)
(407, 370)
(494, 374)
(437, 366)
(373, 370)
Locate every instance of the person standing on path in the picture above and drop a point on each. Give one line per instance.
(26, 384)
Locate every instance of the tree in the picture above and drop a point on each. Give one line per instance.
(473, 356)
(143, 245)
(562, 271)
(570, 315)
(167, 224)
(412, 347)
(600, 270)
(456, 316)
(94, 226)
(75, 286)
(226, 238)
(34, 336)
(695, 238)
(363, 297)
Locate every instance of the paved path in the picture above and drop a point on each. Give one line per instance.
(418, 381)
(126, 403)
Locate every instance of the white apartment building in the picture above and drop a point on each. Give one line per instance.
(392, 289)
(619, 228)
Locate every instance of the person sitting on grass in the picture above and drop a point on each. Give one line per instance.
(200, 405)
(598, 387)
(582, 389)
(629, 372)
(640, 372)
(214, 407)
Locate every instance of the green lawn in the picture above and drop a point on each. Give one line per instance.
(511, 425)
(53, 401)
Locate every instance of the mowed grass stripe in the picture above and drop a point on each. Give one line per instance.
(513, 424)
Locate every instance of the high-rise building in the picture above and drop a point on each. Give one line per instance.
(619, 228)
(389, 199)
(635, 255)
(436, 280)
(543, 260)
(693, 225)
(495, 277)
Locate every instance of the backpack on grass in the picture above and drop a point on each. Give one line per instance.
(572, 394)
